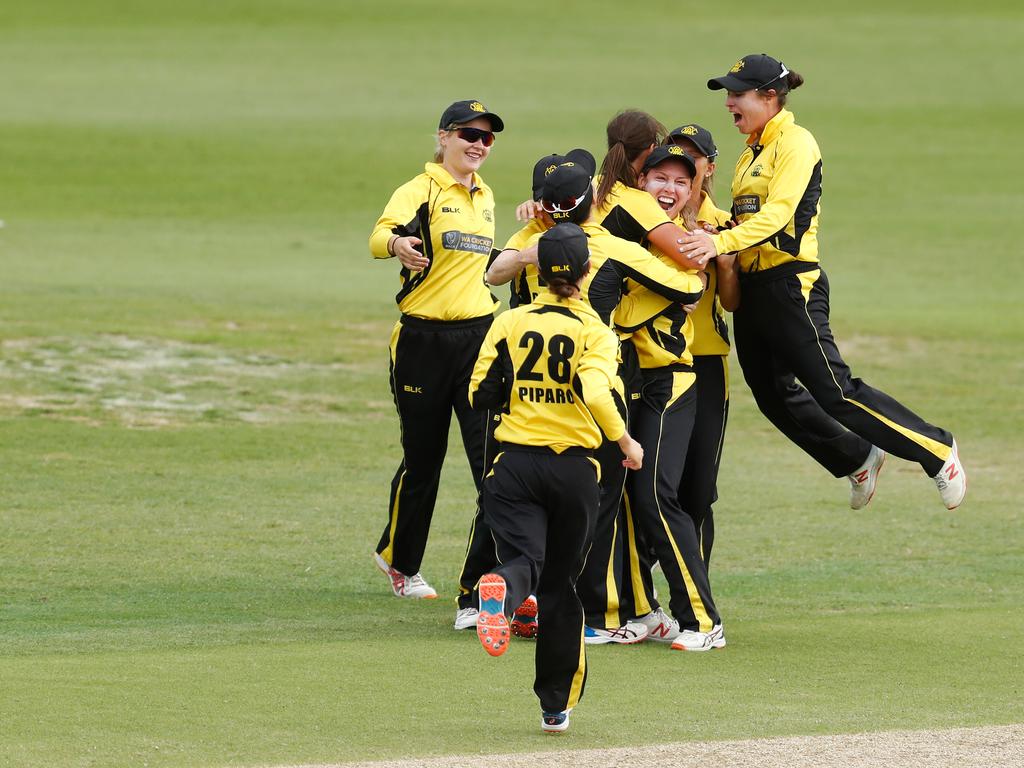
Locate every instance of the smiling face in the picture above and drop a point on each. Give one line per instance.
(669, 183)
(751, 110)
(705, 168)
(462, 158)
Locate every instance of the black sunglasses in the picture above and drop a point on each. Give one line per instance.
(473, 135)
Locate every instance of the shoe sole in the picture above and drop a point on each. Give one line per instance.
(524, 620)
(554, 730)
(491, 625)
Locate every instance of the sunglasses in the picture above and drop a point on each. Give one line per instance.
(565, 205)
(473, 135)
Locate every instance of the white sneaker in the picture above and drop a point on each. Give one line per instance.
(862, 482)
(689, 640)
(465, 618)
(402, 585)
(952, 481)
(629, 633)
(661, 628)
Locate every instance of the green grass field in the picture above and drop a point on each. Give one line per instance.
(196, 436)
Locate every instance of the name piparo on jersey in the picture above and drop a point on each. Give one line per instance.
(456, 226)
(550, 366)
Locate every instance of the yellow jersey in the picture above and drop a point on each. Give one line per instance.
(629, 213)
(710, 331)
(456, 226)
(550, 367)
(776, 190)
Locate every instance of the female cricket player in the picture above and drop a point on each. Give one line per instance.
(782, 323)
(552, 366)
(440, 227)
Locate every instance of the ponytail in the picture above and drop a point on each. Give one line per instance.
(615, 167)
(793, 80)
(630, 133)
(562, 287)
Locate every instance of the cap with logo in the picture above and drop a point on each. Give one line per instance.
(549, 163)
(465, 111)
(672, 152)
(562, 253)
(700, 136)
(758, 70)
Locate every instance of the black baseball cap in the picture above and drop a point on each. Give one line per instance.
(464, 111)
(562, 252)
(549, 163)
(700, 136)
(672, 152)
(758, 70)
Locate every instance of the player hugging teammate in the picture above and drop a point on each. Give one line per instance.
(619, 281)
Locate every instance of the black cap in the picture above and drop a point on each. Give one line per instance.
(758, 70)
(700, 136)
(562, 252)
(671, 152)
(549, 163)
(464, 111)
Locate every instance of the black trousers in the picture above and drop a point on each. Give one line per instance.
(698, 488)
(782, 334)
(431, 364)
(540, 507)
(663, 425)
(599, 584)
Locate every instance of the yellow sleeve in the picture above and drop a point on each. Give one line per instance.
(399, 217)
(597, 373)
(488, 388)
(521, 239)
(638, 307)
(797, 156)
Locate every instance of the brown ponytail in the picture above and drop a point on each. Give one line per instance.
(562, 287)
(793, 80)
(630, 132)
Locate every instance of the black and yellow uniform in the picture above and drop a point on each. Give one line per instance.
(698, 486)
(662, 418)
(782, 325)
(446, 310)
(629, 213)
(552, 364)
(612, 260)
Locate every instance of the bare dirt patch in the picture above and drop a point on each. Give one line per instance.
(986, 747)
(164, 383)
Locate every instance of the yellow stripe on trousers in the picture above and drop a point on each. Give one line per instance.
(940, 450)
(388, 552)
(681, 382)
(576, 689)
(643, 607)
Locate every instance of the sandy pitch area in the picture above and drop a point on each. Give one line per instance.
(987, 747)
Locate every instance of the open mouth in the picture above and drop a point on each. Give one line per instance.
(736, 117)
(665, 202)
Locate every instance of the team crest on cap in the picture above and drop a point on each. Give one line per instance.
(476, 106)
(675, 150)
(689, 130)
(549, 170)
(737, 66)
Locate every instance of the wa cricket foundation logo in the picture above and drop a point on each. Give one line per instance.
(453, 240)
